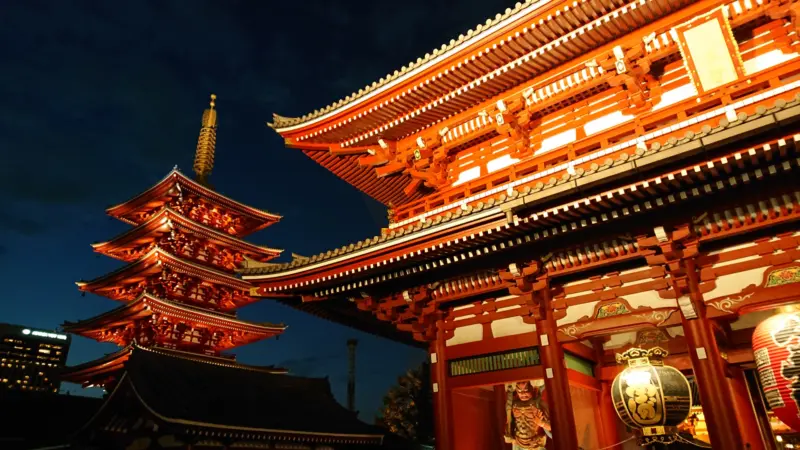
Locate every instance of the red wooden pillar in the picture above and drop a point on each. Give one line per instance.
(441, 395)
(709, 369)
(608, 423)
(556, 381)
(745, 412)
(606, 416)
(500, 398)
(760, 410)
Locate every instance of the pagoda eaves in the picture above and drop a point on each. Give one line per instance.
(160, 229)
(140, 208)
(108, 369)
(160, 320)
(132, 280)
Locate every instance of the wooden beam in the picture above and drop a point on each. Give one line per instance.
(338, 150)
(312, 146)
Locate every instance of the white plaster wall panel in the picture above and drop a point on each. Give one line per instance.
(766, 60)
(462, 308)
(465, 335)
(576, 312)
(675, 331)
(604, 123)
(651, 299)
(734, 283)
(508, 308)
(500, 163)
(676, 95)
(620, 340)
(511, 326)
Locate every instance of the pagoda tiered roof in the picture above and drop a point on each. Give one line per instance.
(131, 245)
(147, 305)
(110, 367)
(140, 208)
(113, 285)
(188, 396)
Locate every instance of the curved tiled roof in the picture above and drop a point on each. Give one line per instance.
(167, 213)
(489, 26)
(514, 195)
(226, 402)
(114, 359)
(159, 254)
(175, 176)
(219, 318)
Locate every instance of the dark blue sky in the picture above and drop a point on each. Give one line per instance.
(99, 100)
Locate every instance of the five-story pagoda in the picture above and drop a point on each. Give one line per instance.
(178, 288)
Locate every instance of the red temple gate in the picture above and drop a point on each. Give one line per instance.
(569, 181)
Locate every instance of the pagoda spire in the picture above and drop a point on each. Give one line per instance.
(206, 144)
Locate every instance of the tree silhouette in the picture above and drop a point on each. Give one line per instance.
(408, 407)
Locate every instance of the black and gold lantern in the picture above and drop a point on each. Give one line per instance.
(650, 397)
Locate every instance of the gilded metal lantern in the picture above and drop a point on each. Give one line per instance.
(776, 347)
(650, 397)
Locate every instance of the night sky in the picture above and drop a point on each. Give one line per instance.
(99, 100)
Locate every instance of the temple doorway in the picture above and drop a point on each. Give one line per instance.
(514, 416)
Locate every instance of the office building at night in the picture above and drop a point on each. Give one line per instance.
(30, 358)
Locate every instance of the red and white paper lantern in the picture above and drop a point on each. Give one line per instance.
(776, 346)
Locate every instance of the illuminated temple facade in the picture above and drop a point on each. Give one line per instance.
(568, 181)
(172, 384)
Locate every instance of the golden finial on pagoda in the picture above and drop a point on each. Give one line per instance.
(206, 143)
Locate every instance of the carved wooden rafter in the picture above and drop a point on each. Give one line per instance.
(416, 159)
(513, 119)
(631, 68)
(677, 252)
(528, 278)
(410, 311)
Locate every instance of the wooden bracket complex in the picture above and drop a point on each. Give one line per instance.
(632, 70)
(512, 119)
(677, 251)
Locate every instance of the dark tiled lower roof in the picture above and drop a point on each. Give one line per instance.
(193, 393)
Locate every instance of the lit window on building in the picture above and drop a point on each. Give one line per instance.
(44, 350)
